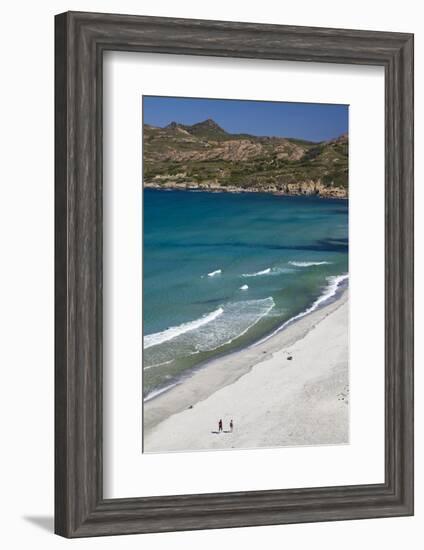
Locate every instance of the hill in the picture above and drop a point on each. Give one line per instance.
(205, 156)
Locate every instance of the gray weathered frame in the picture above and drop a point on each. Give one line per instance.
(80, 40)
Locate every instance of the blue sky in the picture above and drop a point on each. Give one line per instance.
(310, 121)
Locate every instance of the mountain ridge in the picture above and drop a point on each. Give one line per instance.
(205, 156)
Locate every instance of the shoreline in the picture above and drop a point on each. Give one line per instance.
(332, 293)
(215, 376)
(214, 188)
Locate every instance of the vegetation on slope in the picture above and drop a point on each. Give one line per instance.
(205, 156)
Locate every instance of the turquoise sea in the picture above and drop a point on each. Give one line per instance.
(222, 270)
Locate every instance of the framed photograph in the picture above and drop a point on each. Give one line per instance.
(234, 274)
(245, 250)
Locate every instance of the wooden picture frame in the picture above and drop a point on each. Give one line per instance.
(81, 39)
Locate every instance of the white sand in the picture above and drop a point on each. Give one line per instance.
(272, 400)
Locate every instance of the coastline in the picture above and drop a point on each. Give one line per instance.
(241, 384)
(303, 189)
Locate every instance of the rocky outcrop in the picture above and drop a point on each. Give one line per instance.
(298, 189)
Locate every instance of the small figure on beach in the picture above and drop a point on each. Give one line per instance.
(220, 425)
(231, 425)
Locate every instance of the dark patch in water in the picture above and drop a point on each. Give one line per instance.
(337, 211)
(325, 245)
(282, 220)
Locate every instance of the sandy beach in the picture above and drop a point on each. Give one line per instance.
(290, 389)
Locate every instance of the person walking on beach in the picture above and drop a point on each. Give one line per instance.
(220, 425)
(231, 425)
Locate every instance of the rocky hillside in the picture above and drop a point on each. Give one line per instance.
(205, 156)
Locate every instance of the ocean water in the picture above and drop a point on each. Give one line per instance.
(222, 271)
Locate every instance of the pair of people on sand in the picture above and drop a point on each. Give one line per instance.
(220, 425)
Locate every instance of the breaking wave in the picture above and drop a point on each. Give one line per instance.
(173, 332)
(308, 264)
(333, 284)
(268, 271)
(208, 333)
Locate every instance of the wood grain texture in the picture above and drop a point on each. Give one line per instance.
(81, 39)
